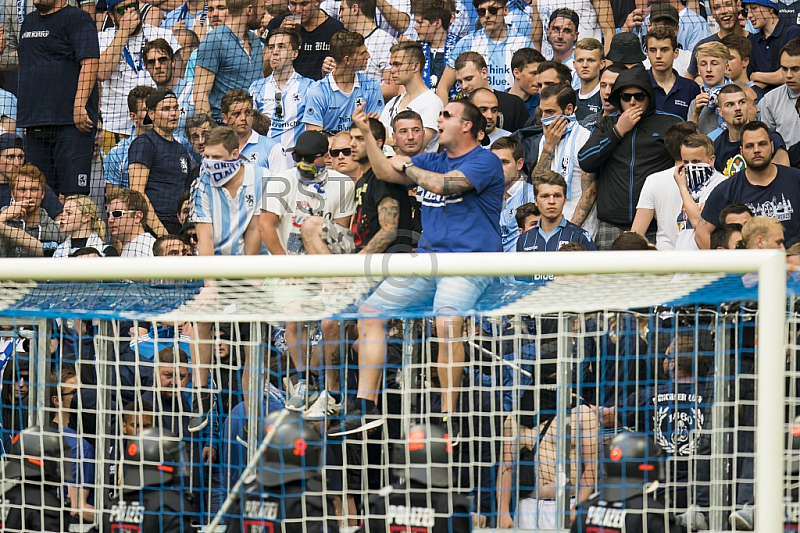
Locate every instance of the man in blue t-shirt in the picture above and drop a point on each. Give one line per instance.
(766, 188)
(462, 191)
(58, 99)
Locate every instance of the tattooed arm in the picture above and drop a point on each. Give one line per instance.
(454, 182)
(388, 218)
(588, 197)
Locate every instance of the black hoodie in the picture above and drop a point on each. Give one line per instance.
(623, 163)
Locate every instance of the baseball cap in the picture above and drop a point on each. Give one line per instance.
(153, 100)
(765, 3)
(664, 11)
(310, 143)
(9, 140)
(626, 49)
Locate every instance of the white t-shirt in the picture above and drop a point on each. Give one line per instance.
(141, 246)
(427, 105)
(660, 193)
(293, 201)
(378, 44)
(685, 239)
(129, 73)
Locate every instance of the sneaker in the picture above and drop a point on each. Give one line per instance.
(324, 406)
(297, 397)
(693, 520)
(743, 519)
(357, 422)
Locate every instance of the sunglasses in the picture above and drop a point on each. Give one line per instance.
(627, 97)
(447, 114)
(160, 60)
(278, 106)
(494, 10)
(344, 151)
(117, 213)
(122, 9)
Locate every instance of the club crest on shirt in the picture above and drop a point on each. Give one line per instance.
(359, 102)
(249, 200)
(254, 157)
(184, 165)
(296, 98)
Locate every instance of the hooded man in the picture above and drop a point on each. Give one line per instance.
(623, 150)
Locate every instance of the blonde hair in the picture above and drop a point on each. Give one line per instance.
(758, 227)
(591, 44)
(87, 207)
(715, 49)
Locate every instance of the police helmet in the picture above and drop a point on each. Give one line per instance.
(428, 451)
(793, 439)
(152, 459)
(294, 450)
(633, 461)
(36, 454)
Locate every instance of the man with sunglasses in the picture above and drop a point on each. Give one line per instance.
(127, 210)
(623, 150)
(160, 62)
(122, 66)
(493, 41)
(342, 156)
(281, 95)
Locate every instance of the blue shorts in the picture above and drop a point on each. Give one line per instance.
(455, 295)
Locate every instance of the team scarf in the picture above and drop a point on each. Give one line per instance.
(220, 172)
(565, 157)
(714, 92)
(311, 175)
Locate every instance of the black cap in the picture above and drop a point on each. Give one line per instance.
(310, 143)
(9, 140)
(153, 100)
(567, 13)
(626, 49)
(664, 11)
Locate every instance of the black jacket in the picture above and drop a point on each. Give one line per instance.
(595, 514)
(417, 508)
(148, 511)
(623, 163)
(27, 512)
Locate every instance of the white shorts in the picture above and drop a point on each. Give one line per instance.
(538, 514)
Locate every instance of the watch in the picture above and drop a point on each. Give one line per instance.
(406, 166)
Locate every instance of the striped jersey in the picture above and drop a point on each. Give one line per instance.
(497, 55)
(229, 216)
(259, 150)
(288, 124)
(536, 240)
(332, 109)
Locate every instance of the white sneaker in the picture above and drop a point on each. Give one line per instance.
(297, 397)
(693, 520)
(324, 406)
(743, 519)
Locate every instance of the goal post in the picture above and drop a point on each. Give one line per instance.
(170, 290)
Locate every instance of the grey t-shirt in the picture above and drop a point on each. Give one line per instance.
(46, 231)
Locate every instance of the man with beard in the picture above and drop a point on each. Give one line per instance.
(766, 188)
(231, 57)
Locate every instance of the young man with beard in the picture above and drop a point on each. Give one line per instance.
(562, 32)
(766, 188)
(122, 66)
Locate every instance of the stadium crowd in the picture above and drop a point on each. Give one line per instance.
(241, 127)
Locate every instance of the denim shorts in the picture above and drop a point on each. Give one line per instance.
(452, 294)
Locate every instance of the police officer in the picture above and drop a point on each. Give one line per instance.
(425, 502)
(792, 472)
(285, 493)
(35, 456)
(151, 499)
(627, 502)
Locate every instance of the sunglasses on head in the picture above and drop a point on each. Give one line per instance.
(122, 9)
(493, 10)
(278, 106)
(626, 97)
(344, 151)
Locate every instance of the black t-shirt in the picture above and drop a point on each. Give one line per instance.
(148, 511)
(588, 106)
(596, 515)
(315, 48)
(515, 112)
(776, 200)
(51, 204)
(168, 162)
(38, 515)
(370, 191)
(433, 510)
(50, 50)
(728, 155)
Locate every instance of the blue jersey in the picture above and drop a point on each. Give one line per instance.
(229, 216)
(536, 240)
(181, 13)
(332, 109)
(258, 149)
(287, 125)
(468, 222)
(115, 163)
(496, 53)
(520, 194)
(83, 461)
(185, 94)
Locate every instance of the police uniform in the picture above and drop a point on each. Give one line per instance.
(637, 513)
(398, 508)
(23, 509)
(154, 510)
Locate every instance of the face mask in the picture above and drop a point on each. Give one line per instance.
(312, 174)
(697, 176)
(572, 121)
(220, 172)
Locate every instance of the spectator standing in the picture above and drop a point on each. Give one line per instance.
(667, 17)
(12, 156)
(524, 64)
(316, 31)
(589, 59)
(432, 22)
(623, 150)
(260, 150)
(231, 57)
(607, 78)
(58, 97)
(127, 211)
(332, 100)
(160, 61)
(673, 91)
(518, 190)
(159, 164)
(771, 35)
(281, 95)
(726, 13)
(407, 62)
(191, 13)
(562, 32)
(778, 106)
(739, 59)
(115, 163)
(359, 16)
(486, 102)
(766, 188)
(596, 18)
(122, 66)
(712, 65)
